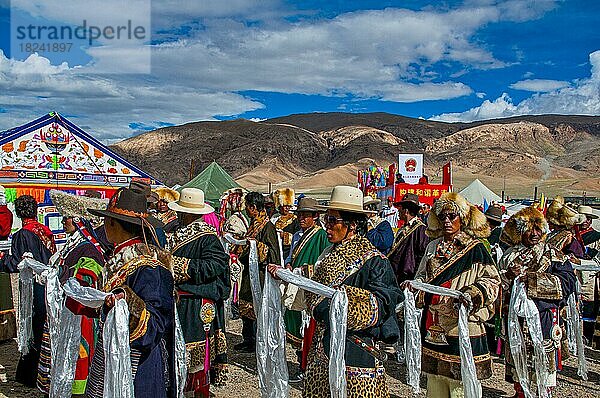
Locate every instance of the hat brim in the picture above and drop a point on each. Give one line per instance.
(339, 208)
(155, 222)
(493, 218)
(591, 216)
(207, 209)
(415, 205)
(307, 210)
(372, 202)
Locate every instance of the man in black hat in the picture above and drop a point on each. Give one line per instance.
(139, 273)
(494, 216)
(410, 241)
(263, 231)
(307, 246)
(144, 188)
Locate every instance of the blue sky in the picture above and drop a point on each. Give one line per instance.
(452, 61)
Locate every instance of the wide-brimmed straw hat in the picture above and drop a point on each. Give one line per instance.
(587, 211)
(191, 200)
(129, 206)
(307, 204)
(345, 198)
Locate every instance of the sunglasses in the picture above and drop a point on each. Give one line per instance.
(332, 220)
(449, 216)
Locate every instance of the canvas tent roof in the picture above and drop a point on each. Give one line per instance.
(213, 180)
(52, 151)
(477, 193)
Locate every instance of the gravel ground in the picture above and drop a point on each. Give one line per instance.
(243, 380)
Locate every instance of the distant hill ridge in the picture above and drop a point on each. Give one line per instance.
(324, 149)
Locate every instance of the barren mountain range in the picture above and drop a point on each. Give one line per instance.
(556, 153)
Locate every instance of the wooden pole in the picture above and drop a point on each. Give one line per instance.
(535, 194)
(191, 169)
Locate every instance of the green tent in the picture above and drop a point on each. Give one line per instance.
(213, 180)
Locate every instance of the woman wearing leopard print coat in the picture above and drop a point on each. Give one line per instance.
(366, 274)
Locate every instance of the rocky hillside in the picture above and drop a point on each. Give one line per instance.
(325, 149)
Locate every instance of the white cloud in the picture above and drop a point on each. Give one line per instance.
(539, 85)
(501, 107)
(107, 106)
(580, 98)
(389, 54)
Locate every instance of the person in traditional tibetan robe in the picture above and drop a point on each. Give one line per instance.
(140, 273)
(549, 280)
(410, 241)
(37, 239)
(562, 221)
(163, 212)
(307, 246)
(80, 257)
(201, 269)
(8, 323)
(379, 230)
(590, 280)
(263, 231)
(353, 262)
(456, 259)
(286, 222)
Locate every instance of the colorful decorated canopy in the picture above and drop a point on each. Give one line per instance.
(52, 152)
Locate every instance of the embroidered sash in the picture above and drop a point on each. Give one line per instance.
(403, 234)
(188, 234)
(304, 240)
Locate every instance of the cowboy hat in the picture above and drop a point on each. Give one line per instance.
(143, 187)
(494, 213)
(345, 198)
(410, 201)
(308, 205)
(587, 211)
(129, 206)
(191, 201)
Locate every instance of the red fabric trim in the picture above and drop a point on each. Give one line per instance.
(127, 243)
(42, 232)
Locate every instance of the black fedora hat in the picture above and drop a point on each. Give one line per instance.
(145, 188)
(494, 213)
(409, 201)
(129, 206)
(307, 204)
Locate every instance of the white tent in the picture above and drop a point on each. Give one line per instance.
(477, 193)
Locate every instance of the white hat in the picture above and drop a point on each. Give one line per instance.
(587, 211)
(344, 198)
(191, 200)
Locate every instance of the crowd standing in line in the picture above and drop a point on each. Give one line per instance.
(182, 268)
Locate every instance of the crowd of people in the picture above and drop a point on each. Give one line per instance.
(183, 268)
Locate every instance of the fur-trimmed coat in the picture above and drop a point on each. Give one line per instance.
(463, 264)
(144, 274)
